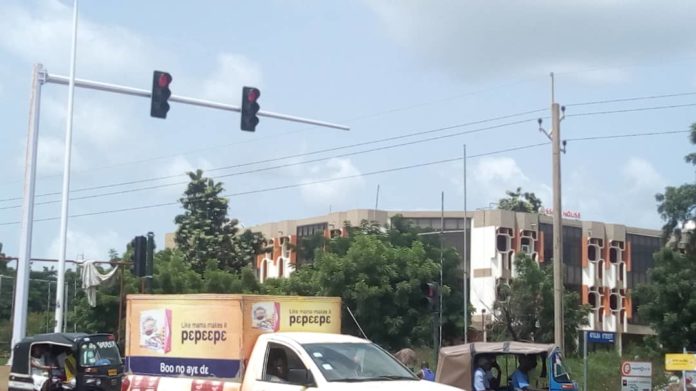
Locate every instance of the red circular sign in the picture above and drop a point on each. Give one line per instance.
(626, 368)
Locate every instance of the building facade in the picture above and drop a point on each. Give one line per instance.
(603, 262)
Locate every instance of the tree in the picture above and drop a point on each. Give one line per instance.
(380, 283)
(517, 201)
(205, 233)
(524, 310)
(668, 302)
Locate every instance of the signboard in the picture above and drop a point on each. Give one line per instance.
(636, 368)
(632, 383)
(680, 362)
(210, 335)
(184, 337)
(600, 337)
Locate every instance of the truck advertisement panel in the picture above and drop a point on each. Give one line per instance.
(187, 337)
(264, 314)
(210, 335)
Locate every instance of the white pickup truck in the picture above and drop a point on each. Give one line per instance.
(294, 361)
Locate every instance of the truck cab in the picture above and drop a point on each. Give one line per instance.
(297, 361)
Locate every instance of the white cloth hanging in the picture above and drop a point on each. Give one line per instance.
(92, 278)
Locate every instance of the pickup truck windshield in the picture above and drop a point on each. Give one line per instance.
(356, 362)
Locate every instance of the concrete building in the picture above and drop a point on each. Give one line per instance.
(602, 262)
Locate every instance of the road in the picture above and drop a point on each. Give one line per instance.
(4, 376)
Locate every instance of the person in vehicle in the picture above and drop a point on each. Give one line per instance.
(70, 369)
(277, 370)
(520, 378)
(425, 373)
(39, 365)
(493, 378)
(483, 367)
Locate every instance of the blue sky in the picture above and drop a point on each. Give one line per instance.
(385, 68)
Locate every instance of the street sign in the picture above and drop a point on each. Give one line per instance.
(680, 362)
(600, 337)
(636, 369)
(632, 383)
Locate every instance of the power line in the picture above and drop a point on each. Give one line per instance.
(631, 110)
(348, 146)
(295, 185)
(631, 99)
(332, 149)
(626, 135)
(261, 169)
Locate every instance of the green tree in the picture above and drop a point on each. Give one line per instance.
(525, 309)
(205, 233)
(379, 282)
(517, 201)
(668, 302)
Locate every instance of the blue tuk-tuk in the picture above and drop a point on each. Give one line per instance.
(457, 364)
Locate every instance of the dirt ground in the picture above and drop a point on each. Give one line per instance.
(4, 376)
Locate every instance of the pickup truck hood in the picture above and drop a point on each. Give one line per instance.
(391, 385)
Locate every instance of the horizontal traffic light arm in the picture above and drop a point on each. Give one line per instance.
(95, 85)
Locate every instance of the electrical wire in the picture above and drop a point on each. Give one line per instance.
(327, 180)
(630, 99)
(332, 149)
(302, 184)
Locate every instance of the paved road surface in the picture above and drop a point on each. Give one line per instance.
(4, 375)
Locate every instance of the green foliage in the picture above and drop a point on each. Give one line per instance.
(527, 313)
(205, 233)
(517, 201)
(381, 284)
(668, 302)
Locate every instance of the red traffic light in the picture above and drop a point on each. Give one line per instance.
(164, 80)
(253, 94)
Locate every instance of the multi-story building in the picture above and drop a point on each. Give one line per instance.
(603, 262)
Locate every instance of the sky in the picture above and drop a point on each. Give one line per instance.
(416, 81)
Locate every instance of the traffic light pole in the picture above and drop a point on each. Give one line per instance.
(19, 318)
(40, 76)
(125, 90)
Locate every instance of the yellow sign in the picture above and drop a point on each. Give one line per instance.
(185, 328)
(680, 362)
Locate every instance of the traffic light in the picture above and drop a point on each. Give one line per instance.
(431, 296)
(160, 94)
(250, 106)
(139, 257)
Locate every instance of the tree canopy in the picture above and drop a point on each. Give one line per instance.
(518, 201)
(525, 309)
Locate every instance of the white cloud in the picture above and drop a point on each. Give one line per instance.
(333, 191)
(639, 174)
(231, 74)
(50, 156)
(487, 38)
(93, 245)
(627, 198)
(44, 33)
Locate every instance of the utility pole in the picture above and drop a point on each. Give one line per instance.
(555, 137)
(557, 223)
(465, 263)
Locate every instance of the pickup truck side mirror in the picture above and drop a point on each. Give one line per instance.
(301, 377)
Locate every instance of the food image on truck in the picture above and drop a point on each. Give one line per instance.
(265, 315)
(155, 330)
